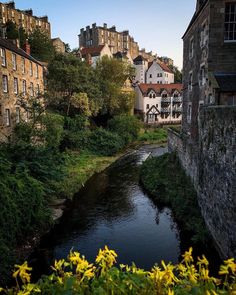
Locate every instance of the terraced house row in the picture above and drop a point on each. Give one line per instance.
(21, 77)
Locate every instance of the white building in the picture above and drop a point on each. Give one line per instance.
(159, 104)
(141, 66)
(92, 54)
(159, 72)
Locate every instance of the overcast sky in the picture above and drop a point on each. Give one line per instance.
(157, 25)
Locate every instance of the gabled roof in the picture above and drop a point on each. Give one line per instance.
(158, 88)
(93, 51)
(7, 44)
(226, 81)
(195, 16)
(164, 67)
(139, 58)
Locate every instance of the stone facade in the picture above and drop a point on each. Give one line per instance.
(206, 145)
(23, 18)
(59, 45)
(21, 76)
(213, 172)
(117, 41)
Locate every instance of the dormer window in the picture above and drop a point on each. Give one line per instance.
(164, 95)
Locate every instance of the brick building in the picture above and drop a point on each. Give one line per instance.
(23, 18)
(117, 41)
(21, 76)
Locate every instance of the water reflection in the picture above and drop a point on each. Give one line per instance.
(113, 210)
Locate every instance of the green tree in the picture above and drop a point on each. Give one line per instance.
(72, 86)
(11, 30)
(112, 75)
(177, 73)
(41, 46)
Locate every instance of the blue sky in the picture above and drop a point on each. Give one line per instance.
(157, 25)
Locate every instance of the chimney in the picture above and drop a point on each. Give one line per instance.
(26, 47)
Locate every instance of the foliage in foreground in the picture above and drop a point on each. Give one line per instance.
(158, 135)
(166, 180)
(76, 275)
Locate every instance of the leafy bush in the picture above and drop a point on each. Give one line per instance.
(53, 129)
(128, 127)
(76, 275)
(166, 180)
(105, 143)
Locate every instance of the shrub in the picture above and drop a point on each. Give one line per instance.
(75, 275)
(158, 135)
(105, 143)
(53, 129)
(128, 127)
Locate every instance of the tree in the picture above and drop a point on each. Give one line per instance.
(72, 86)
(113, 74)
(177, 73)
(11, 30)
(41, 46)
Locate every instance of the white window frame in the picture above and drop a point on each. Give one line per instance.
(202, 75)
(31, 89)
(7, 117)
(189, 113)
(191, 47)
(230, 24)
(23, 65)
(190, 81)
(5, 83)
(24, 89)
(31, 69)
(14, 64)
(15, 85)
(3, 57)
(17, 115)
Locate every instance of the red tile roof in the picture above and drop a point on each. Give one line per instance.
(162, 65)
(93, 51)
(158, 88)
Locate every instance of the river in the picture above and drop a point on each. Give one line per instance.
(112, 209)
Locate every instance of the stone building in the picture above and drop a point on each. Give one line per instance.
(92, 54)
(59, 45)
(21, 76)
(117, 41)
(207, 143)
(159, 104)
(23, 18)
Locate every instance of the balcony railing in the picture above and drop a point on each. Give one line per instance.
(177, 110)
(165, 110)
(177, 99)
(166, 99)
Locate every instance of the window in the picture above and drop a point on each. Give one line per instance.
(8, 117)
(17, 115)
(147, 107)
(203, 37)
(23, 65)
(189, 113)
(3, 57)
(38, 90)
(157, 105)
(15, 85)
(202, 75)
(160, 74)
(230, 22)
(31, 69)
(24, 87)
(4, 83)
(150, 95)
(37, 71)
(190, 81)
(31, 89)
(14, 61)
(191, 48)
(150, 76)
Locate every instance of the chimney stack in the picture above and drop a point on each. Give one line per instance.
(26, 47)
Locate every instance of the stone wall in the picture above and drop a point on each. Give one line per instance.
(212, 166)
(217, 175)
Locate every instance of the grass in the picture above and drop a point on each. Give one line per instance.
(79, 167)
(153, 135)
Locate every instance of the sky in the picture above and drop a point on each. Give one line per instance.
(156, 25)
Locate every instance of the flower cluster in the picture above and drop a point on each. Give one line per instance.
(76, 275)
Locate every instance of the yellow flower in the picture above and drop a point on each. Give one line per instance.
(22, 272)
(170, 292)
(106, 258)
(58, 265)
(188, 256)
(202, 261)
(231, 264)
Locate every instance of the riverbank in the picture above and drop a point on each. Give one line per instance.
(164, 178)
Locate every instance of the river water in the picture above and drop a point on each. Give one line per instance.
(112, 209)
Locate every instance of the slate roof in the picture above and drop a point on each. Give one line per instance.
(226, 81)
(139, 58)
(158, 88)
(7, 44)
(164, 67)
(195, 16)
